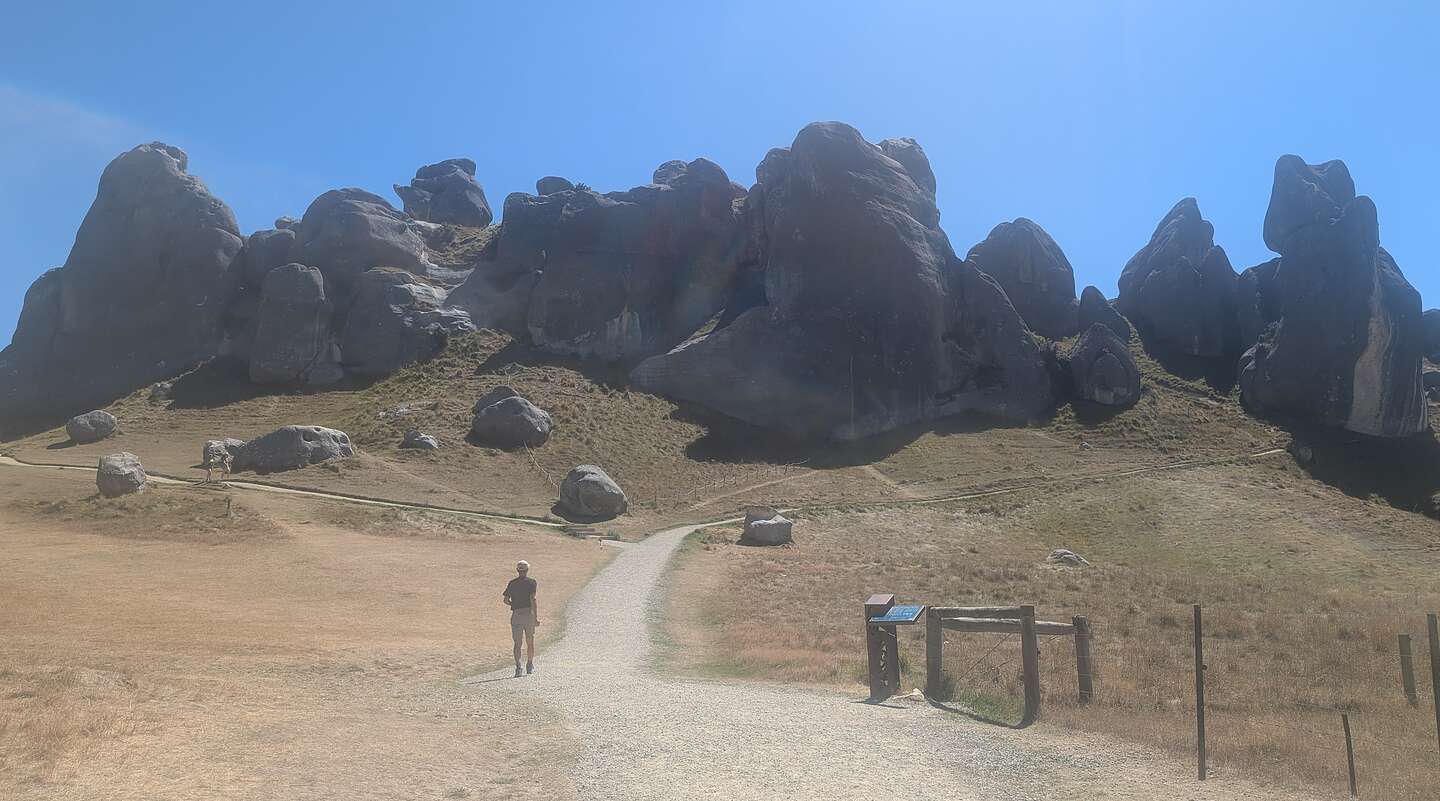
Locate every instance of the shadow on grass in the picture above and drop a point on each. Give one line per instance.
(1405, 472)
(516, 355)
(223, 381)
(1221, 372)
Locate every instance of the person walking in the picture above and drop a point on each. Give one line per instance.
(524, 614)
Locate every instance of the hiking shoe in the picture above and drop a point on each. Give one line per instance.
(517, 671)
(529, 667)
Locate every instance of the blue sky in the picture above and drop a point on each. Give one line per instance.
(1090, 118)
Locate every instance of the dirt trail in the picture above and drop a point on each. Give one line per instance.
(649, 736)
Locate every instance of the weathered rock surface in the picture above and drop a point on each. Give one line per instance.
(1102, 369)
(1034, 273)
(1305, 194)
(871, 321)
(120, 474)
(1094, 308)
(766, 527)
(293, 447)
(494, 396)
(91, 426)
(588, 493)
(286, 223)
(263, 251)
(415, 440)
(292, 333)
(1347, 351)
(1066, 557)
(397, 319)
(611, 276)
(1179, 289)
(551, 184)
(216, 451)
(1257, 301)
(511, 422)
(139, 299)
(1431, 322)
(346, 232)
(447, 192)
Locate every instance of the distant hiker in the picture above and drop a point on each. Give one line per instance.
(524, 614)
(221, 461)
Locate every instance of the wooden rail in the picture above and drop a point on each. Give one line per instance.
(1004, 625)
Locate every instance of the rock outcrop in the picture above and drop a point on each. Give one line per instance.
(139, 299)
(346, 232)
(91, 426)
(1034, 273)
(292, 331)
(1257, 301)
(447, 192)
(614, 276)
(871, 320)
(551, 184)
(1347, 350)
(588, 493)
(1179, 289)
(1102, 369)
(397, 319)
(292, 447)
(1431, 322)
(120, 474)
(1094, 308)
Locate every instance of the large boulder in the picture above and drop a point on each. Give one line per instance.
(1179, 289)
(1102, 369)
(871, 320)
(613, 276)
(140, 298)
(292, 333)
(293, 447)
(766, 527)
(511, 422)
(417, 440)
(1034, 273)
(346, 232)
(397, 319)
(1431, 323)
(263, 251)
(1347, 351)
(90, 426)
(1094, 308)
(447, 192)
(588, 493)
(551, 184)
(119, 474)
(1305, 194)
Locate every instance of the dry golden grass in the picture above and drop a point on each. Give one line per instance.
(159, 513)
(1305, 590)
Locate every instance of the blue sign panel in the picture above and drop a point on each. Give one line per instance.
(899, 615)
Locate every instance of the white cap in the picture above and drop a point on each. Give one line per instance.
(522, 565)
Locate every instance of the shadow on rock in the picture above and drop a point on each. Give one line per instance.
(1221, 373)
(221, 382)
(517, 355)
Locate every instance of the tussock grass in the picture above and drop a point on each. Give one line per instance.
(48, 712)
(172, 515)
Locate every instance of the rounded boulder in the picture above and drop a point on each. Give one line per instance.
(91, 426)
(588, 493)
(119, 474)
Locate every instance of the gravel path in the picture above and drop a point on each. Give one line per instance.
(647, 736)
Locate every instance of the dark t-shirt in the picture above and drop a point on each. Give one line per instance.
(521, 592)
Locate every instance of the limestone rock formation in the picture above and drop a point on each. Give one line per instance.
(1102, 369)
(511, 422)
(1305, 194)
(588, 493)
(871, 321)
(1034, 273)
(447, 192)
(293, 447)
(551, 184)
(766, 527)
(1257, 301)
(292, 333)
(613, 276)
(346, 232)
(1094, 308)
(397, 319)
(1179, 289)
(139, 299)
(415, 440)
(263, 251)
(1347, 351)
(1432, 334)
(120, 474)
(91, 426)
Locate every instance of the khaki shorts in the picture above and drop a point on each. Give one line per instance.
(522, 622)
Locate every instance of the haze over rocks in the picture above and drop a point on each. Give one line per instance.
(824, 301)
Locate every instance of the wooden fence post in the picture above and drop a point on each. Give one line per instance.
(1084, 665)
(1199, 695)
(1434, 632)
(1349, 752)
(875, 642)
(934, 654)
(1407, 671)
(1029, 664)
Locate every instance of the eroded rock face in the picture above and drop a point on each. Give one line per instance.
(511, 422)
(1103, 370)
(1094, 308)
(766, 527)
(1347, 351)
(1257, 301)
(1431, 322)
(1179, 289)
(120, 474)
(588, 493)
(292, 332)
(871, 321)
(291, 448)
(447, 192)
(613, 276)
(415, 440)
(397, 319)
(140, 298)
(346, 232)
(91, 426)
(1305, 194)
(1034, 273)
(551, 184)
